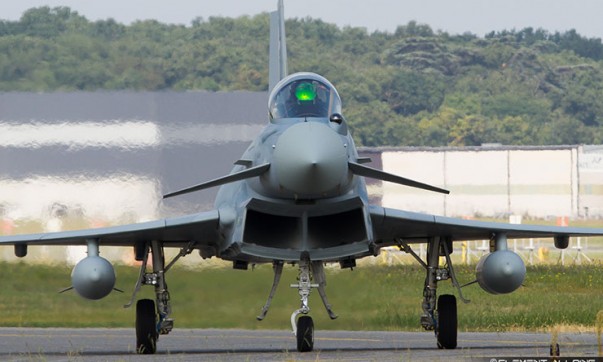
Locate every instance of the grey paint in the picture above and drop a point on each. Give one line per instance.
(271, 216)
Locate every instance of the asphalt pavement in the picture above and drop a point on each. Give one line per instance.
(63, 344)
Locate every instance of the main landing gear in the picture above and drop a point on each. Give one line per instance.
(153, 317)
(301, 323)
(443, 319)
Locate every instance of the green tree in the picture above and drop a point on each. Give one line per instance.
(411, 87)
(411, 92)
(46, 22)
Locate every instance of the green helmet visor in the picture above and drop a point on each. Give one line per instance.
(305, 92)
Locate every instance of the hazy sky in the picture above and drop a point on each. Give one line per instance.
(454, 16)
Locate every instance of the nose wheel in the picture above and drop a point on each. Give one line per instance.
(305, 334)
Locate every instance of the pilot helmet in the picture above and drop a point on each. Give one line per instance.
(309, 96)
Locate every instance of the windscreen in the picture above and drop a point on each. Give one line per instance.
(304, 98)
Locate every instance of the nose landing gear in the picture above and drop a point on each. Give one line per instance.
(303, 326)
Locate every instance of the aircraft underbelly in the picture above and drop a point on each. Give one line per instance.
(321, 232)
(337, 253)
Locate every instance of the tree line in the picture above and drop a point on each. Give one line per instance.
(413, 86)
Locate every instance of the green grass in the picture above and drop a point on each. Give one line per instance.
(367, 298)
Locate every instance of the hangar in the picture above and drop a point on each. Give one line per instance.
(100, 158)
(497, 180)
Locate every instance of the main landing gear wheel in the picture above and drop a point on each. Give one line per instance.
(305, 334)
(146, 327)
(447, 322)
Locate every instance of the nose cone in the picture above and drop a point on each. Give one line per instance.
(310, 160)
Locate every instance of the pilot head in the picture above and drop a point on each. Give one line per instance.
(304, 95)
(307, 99)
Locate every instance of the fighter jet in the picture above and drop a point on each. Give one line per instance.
(298, 196)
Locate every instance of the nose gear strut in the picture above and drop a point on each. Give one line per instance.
(303, 326)
(304, 286)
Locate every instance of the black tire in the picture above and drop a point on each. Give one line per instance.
(447, 322)
(305, 334)
(146, 327)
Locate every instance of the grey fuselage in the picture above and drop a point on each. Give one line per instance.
(307, 204)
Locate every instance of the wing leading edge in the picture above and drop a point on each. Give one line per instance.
(391, 224)
(176, 232)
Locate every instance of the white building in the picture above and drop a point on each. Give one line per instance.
(538, 181)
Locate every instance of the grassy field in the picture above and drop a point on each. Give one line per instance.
(367, 298)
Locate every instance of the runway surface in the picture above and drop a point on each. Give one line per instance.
(52, 344)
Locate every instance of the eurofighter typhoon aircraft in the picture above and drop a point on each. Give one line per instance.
(298, 196)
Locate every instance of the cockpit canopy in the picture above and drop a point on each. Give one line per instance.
(303, 95)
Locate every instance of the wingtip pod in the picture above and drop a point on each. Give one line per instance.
(366, 171)
(500, 272)
(93, 277)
